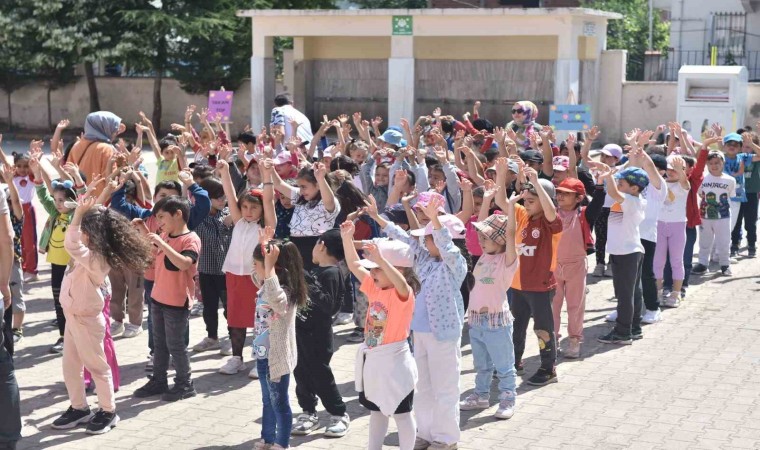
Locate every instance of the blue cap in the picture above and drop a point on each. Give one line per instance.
(732, 137)
(635, 176)
(392, 137)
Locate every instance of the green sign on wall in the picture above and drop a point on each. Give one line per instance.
(402, 25)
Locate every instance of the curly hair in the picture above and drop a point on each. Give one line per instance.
(112, 236)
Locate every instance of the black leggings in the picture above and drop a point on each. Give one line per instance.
(314, 377)
(56, 278)
(213, 290)
(539, 304)
(600, 232)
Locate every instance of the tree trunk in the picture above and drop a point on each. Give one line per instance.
(92, 86)
(49, 106)
(10, 112)
(157, 102)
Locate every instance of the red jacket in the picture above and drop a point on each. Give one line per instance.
(695, 180)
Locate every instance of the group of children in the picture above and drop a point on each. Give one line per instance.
(455, 221)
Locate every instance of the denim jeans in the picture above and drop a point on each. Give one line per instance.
(492, 348)
(169, 325)
(277, 419)
(149, 302)
(10, 415)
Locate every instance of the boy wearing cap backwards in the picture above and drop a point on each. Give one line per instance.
(572, 266)
(489, 316)
(538, 233)
(625, 248)
(738, 165)
(715, 191)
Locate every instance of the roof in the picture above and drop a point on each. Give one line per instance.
(585, 12)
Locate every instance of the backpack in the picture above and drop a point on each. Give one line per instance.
(588, 239)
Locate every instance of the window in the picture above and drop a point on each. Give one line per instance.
(728, 33)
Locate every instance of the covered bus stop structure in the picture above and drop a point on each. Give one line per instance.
(402, 63)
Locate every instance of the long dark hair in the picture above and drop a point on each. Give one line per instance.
(112, 236)
(307, 174)
(289, 270)
(411, 279)
(350, 199)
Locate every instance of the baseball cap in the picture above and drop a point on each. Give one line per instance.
(397, 253)
(392, 137)
(532, 156)
(716, 154)
(561, 163)
(283, 157)
(495, 227)
(546, 184)
(572, 185)
(513, 167)
(613, 150)
(396, 214)
(426, 197)
(326, 153)
(635, 176)
(660, 162)
(448, 221)
(732, 137)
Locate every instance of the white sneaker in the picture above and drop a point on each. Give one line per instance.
(131, 331)
(206, 344)
(473, 402)
(506, 406)
(673, 300)
(30, 277)
(343, 319)
(599, 270)
(573, 350)
(197, 309)
(225, 348)
(232, 366)
(338, 426)
(116, 328)
(254, 373)
(611, 317)
(651, 316)
(305, 424)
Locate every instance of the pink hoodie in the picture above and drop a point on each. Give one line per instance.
(80, 290)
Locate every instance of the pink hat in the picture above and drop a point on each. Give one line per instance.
(449, 221)
(283, 158)
(397, 253)
(425, 197)
(561, 163)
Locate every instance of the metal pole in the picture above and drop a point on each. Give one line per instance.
(651, 23)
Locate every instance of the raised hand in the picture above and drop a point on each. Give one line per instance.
(347, 229)
(62, 124)
(431, 209)
(372, 252)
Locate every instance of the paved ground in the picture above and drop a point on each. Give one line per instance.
(690, 383)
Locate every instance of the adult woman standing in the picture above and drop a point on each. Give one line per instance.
(93, 152)
(524, 114)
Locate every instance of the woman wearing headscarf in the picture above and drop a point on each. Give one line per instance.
(524, 114)
(95, 149)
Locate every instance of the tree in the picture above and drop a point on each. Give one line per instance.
(15, 57)
(632, 31)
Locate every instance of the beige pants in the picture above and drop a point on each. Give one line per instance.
(127, 296)
(83, 347)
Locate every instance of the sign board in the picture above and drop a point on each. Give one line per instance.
(589, 29)
(402, 25)
(570, 117)
(220, 102)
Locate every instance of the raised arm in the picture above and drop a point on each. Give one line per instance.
(468, 203)
(352, 258)
(229, 190)
(328, 197)
(18, 210)
(512, 228)
(547, 204)
(591, 136)
(270, 216)
(395, 277)
(152, 140)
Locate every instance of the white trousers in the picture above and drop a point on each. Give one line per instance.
(436, 402)
(734, 214)
(717, 233)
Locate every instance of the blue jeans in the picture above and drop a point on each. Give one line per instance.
(277, 419)
(148, 301)
(492, 348)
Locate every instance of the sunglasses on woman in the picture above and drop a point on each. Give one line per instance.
(518, 111)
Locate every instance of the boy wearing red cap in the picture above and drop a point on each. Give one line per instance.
(575, 244)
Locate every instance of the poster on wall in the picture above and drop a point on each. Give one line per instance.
(570, 117)
(220, 102)
(402, 25)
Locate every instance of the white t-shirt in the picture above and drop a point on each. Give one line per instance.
(674, 207)
(652, 199)
(245, 238)
(25, 187)
(714, 194)
(623, 226)
(311, 221)
(4, 209)
(282, 115)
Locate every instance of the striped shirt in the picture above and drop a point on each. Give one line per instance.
(215, 242)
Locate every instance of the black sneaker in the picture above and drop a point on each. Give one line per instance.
(152, 388)
(614, 338)
(751, 252)
(519, 368)
(102, 422)
(699, 269)
(542, 377)
(71, 418)
(733, 252)
(18, 334)
(57, 348)
(726, 271)
(637, 335)
(179, 392)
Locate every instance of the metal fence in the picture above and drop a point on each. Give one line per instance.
(666, 66)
